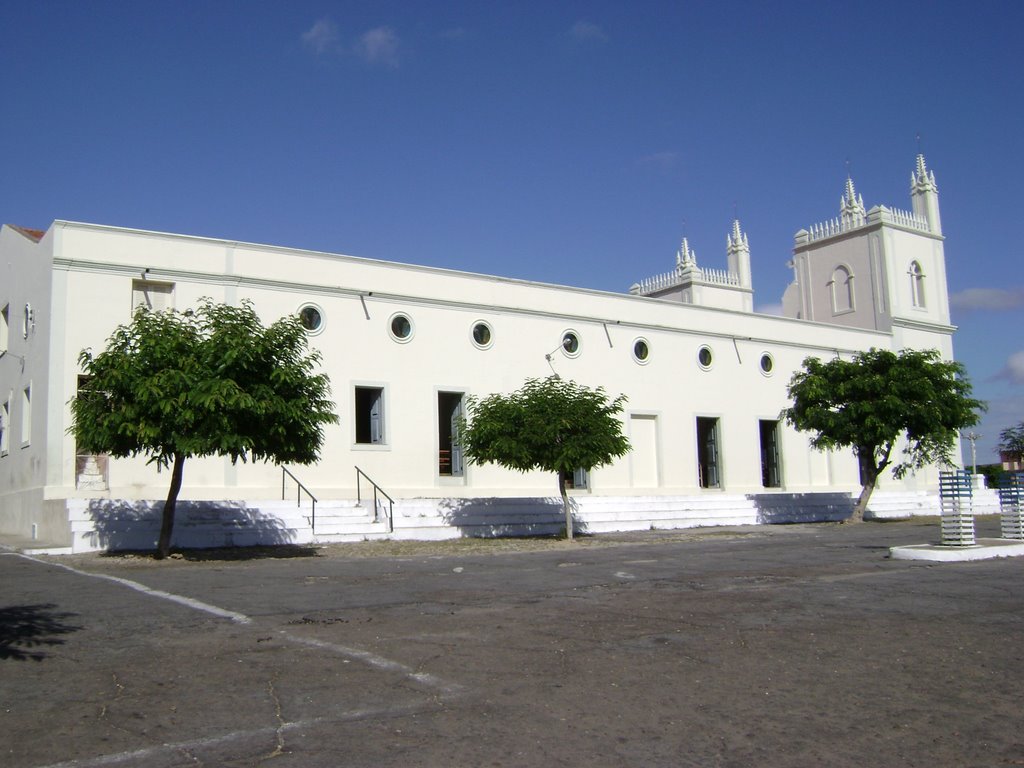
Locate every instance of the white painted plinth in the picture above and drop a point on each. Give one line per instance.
(983, 549)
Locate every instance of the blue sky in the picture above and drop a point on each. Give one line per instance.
(565, 142)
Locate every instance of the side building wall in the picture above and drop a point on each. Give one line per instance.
(26, 386)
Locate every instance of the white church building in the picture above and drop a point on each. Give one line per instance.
(405, 345)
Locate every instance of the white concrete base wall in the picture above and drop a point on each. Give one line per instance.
(101, 524)
(28, 515)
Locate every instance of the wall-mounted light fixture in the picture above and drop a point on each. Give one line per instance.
(29, 323)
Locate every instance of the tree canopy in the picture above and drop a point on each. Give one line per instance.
(1011, 442)
(213, 381)
(871, 402)
(551, 425)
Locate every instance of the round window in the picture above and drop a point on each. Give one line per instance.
(570, 343)
(704, 357)
(641, 350)
(311, 317)
(767, 364)
(482, 335)
(401, 327)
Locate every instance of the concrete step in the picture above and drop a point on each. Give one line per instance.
(895, 505)
(366, 531)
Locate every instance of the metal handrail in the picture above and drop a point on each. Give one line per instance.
(298, 494)
(376, 489)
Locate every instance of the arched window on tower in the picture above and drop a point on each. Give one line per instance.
(841, 287)
(916, 285)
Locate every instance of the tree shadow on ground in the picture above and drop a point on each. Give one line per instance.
(134, 526)
(507, 517)
(26, 629)
(212, 554)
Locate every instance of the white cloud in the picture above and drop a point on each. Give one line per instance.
(661, 161)
(994, 299)
(586, 30)
(321, 37)
(769, 309)
(1013, 371)
(379, 46)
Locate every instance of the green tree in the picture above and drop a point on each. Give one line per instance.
(550, 425)
(1011, 442)
(870, 402)
(213, 381)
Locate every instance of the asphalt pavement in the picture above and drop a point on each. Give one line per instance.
(798, 645)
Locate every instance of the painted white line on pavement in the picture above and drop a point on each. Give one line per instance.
(378, 662)
(238, 618)
(213, 741)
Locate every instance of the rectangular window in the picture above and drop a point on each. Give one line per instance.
(152, 295)
(5, 325)
(26, 416)
(449, 452)
(5, 427)
(578, 480)
(708, 469)
(369, 417)
(771, 475)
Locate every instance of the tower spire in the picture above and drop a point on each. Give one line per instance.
(922, 180)
(738, 254)
(851, 206)
(924, 195)
(685, 257)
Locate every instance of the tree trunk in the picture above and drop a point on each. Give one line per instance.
(163, 546)
(565, 505)
(862, 504)
(869, 478)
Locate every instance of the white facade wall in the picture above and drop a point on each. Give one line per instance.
(79, 280)
(358, 298)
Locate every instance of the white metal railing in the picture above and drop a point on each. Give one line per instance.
(298, 494)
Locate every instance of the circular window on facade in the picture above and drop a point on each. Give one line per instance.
(767, 364)
(641, 351)
(312, 318)
(571, 343)
(400, 327)
(482, 334)
(704, 357)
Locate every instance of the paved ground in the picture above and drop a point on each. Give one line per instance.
(773, 646)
